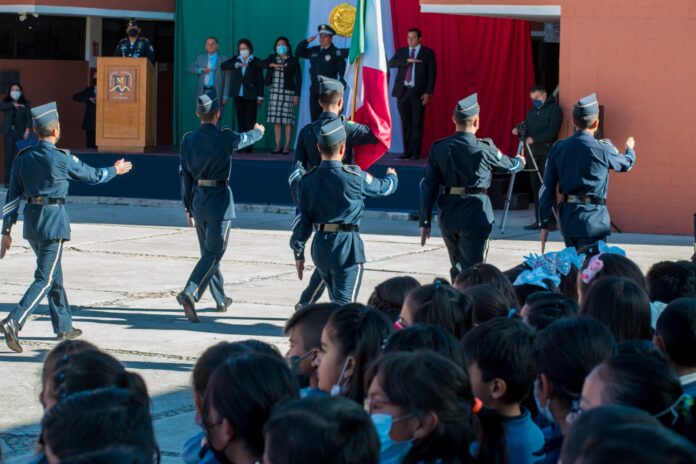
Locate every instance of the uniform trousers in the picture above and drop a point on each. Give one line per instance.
(343, 284)
(579, 242)
(212, 237)
(315, 289)
(48, 281)
(466, 247)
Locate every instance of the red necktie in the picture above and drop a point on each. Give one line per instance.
(409, 71)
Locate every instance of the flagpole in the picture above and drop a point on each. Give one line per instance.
(355, 87)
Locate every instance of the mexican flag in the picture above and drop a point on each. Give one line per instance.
(366, 76)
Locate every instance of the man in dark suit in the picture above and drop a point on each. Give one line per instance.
(88, 96)
(414, 85)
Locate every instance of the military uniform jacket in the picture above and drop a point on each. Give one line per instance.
(44, 171)
(579, 165)
(205, 154)
(329, 62)
(141, 48)
(461, 160)
(333, 193)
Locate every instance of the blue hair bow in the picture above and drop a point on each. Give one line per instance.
(556, 262)
(611, 250)
(537, 277)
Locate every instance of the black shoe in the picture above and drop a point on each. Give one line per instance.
(10, 328)
(405, 156)
(222, 308)
(186, 300)
(534, 226)
(74, 333)
(277, 151)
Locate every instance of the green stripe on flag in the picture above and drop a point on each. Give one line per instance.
(357, 42)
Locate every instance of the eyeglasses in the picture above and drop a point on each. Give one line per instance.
(370, 404)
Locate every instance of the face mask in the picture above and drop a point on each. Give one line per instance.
(294, 365)
(219, 455)
(281, 49)
(390, 451)
(544, 410)
(339, 388)
(132, 32)
(15, 94)
(244, 53)
(537, 103)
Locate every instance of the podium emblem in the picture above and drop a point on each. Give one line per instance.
(121, 85)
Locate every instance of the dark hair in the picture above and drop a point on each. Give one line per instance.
(89, 370)
(648, 383)
(442, 305)
(330, 98)
(311, 320)
(543, 308)
(622, 305)
(287, 41)
(95, 419)
(22, 99)
(503, 348)
(212, 37)
(244, 389)
(591, 425)
(54, 358)
(488, 303)
(417, 31)
(537, 88)
(335, 430)
(207, 117)
(568, 350)
(677, 329)
(389, 296)
(426, 337)
(246, 42)
(583, 122)
(331, 150)
(668, 280)
(423, 382)
(359, 332)
(110, 455)
(487, 274)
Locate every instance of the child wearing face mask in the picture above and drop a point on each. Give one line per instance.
(304, 332)
(350, 341)
(566, 352)
(16, 124)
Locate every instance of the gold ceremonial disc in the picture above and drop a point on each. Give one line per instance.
(342, 19)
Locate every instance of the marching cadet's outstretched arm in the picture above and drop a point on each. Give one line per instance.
(379, 187)
(359, 134)
(245, 139)
(429, 190)
(77, 170)
(301, 231)
(10, 209)
(499, 160)
(622, 162)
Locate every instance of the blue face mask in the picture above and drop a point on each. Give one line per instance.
(537, 103)
(544, 410)
(281, 49)
(390, 451)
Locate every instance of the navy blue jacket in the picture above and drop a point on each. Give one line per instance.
(206, 154)
(141, 48)
(333, 193)
(579, 165)
(462, 160)
(328, 62)
(44, 170)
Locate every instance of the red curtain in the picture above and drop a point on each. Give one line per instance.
(486, 55)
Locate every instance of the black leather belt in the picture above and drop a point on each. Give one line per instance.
(334, 228)
(465, 191)
(583, 200)
(208, 88)
(212, 183)
(45, 201)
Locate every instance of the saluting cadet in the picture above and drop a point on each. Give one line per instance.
(205, 189)
(325, 60)
(463, 165)
(135, 46)
(331, 200)
(307, 156)
(579, 166)
(41, 174)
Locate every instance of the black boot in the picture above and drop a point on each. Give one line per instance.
(73, 333)
(189, 304)
(222, 308)
(10, 328)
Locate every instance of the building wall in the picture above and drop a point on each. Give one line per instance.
(134, 5)
(640, 58)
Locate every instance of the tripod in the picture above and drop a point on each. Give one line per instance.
(522, 147)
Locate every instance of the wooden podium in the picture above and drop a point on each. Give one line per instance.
(125, 104)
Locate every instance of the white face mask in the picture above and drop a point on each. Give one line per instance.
(244, 53)
(15, 94)
(546, 409)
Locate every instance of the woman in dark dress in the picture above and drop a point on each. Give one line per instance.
(16, 123)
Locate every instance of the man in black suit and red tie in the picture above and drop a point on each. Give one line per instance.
(413, 88)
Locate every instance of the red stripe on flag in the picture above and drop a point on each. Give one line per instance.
(374, 113)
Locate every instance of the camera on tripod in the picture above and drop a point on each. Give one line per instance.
(522, 130)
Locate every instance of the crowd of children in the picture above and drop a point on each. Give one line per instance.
(572, 357)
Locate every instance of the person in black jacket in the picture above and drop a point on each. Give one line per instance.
(413, 87)
(542, 123)
(16, 123)
(88, 96)
(247, 86)
(284, 77)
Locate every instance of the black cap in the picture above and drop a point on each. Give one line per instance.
(587, 106)
(325, 29)
(208, 102)
(331, 132)
(133, 23)
(468, 107)
(326, 85)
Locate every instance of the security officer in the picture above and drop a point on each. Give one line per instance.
(40, 174)
(135, 46)
(325, 60)
(307, 156)
(463, 165)
(331, 200)
(579, 166)
(205, 188)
